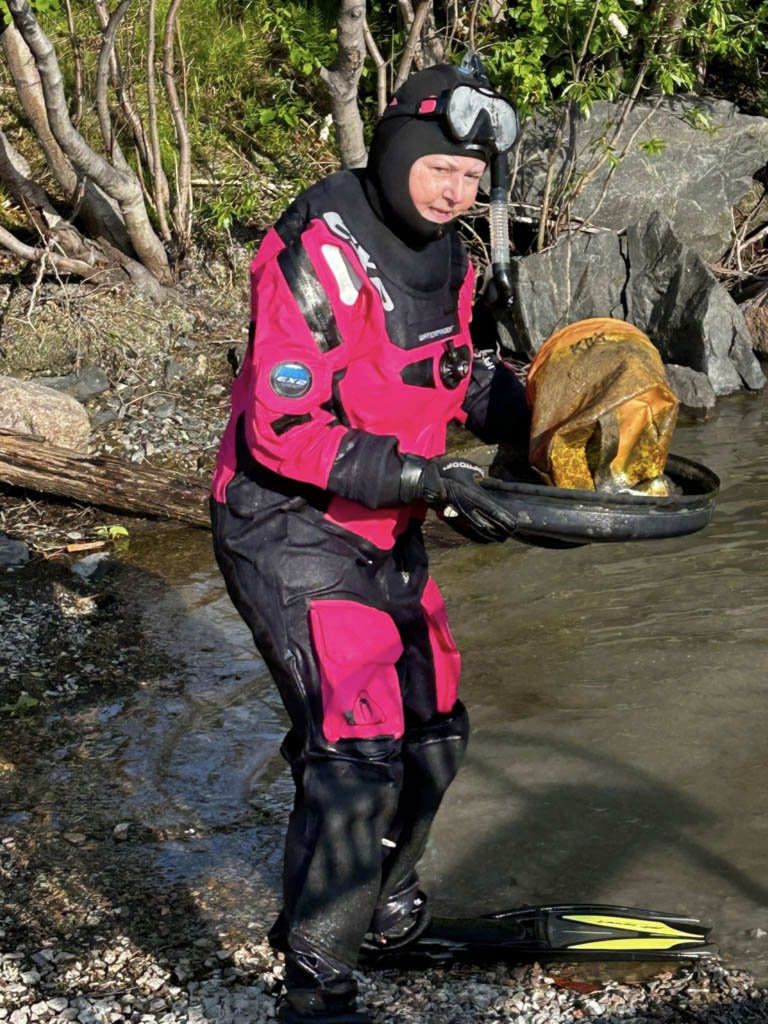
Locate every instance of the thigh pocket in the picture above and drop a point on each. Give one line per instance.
(445, 654)
(356, 649)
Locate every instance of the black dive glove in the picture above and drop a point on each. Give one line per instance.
(451, 486)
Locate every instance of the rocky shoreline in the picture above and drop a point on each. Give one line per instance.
(86, 933)
(237, 987)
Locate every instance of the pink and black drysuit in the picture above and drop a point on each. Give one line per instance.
(359, 353)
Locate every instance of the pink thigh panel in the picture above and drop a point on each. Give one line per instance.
(445, 654)
(357, 647)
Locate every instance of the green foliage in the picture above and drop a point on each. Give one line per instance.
(549, 50)
(654, 146)
(254, 104)
(112, 532)
(258, 111)
(40, 7)
(262, 64)
(605, 149)
(117, 535)
(698, 118)
(23, 705)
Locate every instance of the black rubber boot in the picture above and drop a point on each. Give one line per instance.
(319, 989)
(400, 921)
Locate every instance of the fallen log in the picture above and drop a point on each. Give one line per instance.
(28, 461)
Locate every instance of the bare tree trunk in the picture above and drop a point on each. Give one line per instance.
(108, 60)
(342, 80)
(99, 214)
(62, 264)
(77, 58)
(118, 84)
(161, 193)
(425, 46)
(183, 211)
(16, 175)
(26, 79)
(413, 45)
(122, 185)
(431, 38)
(381, 70)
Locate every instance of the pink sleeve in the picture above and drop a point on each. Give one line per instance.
(288, 381)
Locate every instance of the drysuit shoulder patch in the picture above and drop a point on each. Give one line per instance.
(290, 380)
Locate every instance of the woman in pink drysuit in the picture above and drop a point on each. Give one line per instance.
(360, 355)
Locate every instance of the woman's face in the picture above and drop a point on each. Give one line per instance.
(442, 187)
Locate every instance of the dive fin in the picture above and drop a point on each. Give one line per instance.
(565, 932)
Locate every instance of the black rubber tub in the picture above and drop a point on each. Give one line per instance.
(553, 517)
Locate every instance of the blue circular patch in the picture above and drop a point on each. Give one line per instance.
(290, 380)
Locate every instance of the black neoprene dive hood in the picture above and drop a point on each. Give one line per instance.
(451, 110)
(400, 139)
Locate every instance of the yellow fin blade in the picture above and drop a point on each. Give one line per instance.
(649, 943)
(631, 924)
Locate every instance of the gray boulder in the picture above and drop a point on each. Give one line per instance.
(691, 387)
(647, 277)
(679, 303)
(581, 277)
(696, 180)
(30, 408)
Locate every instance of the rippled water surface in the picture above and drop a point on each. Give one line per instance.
(619, 750)
(620, 725)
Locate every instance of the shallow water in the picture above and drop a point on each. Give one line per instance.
(617, 696)
(619, 751)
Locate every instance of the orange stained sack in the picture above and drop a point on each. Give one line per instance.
(602, 410)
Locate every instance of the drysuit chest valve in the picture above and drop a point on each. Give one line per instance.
(454, 365)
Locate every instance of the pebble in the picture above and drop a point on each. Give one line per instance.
(173, 370)
(102, 418)
(83, 384)
(93, 567)
(12, 552)
(76, 838)
(460, 996)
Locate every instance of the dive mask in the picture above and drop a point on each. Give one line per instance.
(473, 115)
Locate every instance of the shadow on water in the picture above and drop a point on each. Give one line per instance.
(575, 839)
(171, 742)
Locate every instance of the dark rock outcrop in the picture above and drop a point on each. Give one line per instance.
(696, 180)
(647, 277)
(691, 387)
(679, 303)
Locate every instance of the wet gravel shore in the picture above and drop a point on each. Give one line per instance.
(118, 982)
(89, 934)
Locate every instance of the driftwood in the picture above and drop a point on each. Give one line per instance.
(28, 461)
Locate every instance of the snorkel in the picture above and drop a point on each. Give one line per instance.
(501, 263)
